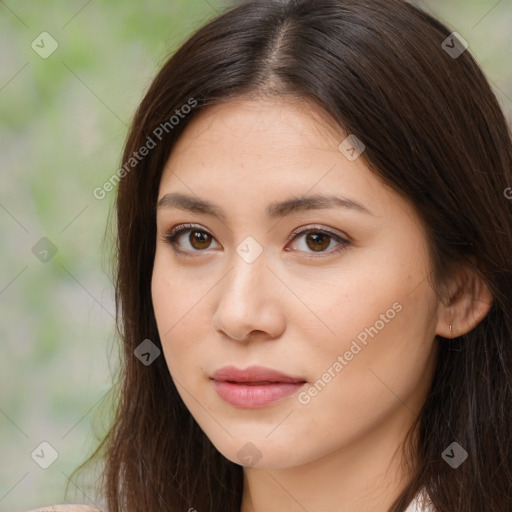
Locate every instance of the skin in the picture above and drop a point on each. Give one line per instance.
(341, 450)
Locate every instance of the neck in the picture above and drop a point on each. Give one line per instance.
(365, 476)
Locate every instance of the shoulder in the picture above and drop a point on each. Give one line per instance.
(65, 508)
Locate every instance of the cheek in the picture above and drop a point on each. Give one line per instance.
(179, 304)
(374, 297)
(169, 306)
(172, 293)
(381, 320)
(355, 387)
(381, 356)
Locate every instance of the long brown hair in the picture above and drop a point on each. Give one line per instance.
(433, 131)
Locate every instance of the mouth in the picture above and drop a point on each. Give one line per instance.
(255, 386)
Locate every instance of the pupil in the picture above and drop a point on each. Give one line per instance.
(320, 240)
(199, 237)
(323, 237)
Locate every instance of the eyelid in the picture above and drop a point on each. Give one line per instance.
(317, 227)
(170, 235)
(344, 241)
(184, 227)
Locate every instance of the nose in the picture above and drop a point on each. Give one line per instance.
(250, 302)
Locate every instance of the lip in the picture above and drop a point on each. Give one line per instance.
(255, 386)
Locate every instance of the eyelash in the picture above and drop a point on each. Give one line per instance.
(174, 233)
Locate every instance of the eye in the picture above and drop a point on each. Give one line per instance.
(198, 240)
(319, 239)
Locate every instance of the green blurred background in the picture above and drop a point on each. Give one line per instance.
(63, 123)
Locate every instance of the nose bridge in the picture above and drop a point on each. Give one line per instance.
(248, 273)
(245, 303)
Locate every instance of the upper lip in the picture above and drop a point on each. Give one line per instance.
(253, 374)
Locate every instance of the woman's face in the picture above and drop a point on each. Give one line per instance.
(344, 309)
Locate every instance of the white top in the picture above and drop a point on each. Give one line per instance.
(421, 503)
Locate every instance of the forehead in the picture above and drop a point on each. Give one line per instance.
(257, 151)
(249, 121)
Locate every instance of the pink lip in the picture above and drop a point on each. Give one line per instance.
(255, 386)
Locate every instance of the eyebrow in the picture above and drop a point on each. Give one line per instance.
(273, 210)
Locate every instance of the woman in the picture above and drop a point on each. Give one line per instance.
(314, 281)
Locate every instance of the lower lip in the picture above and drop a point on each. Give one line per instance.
(252, 397)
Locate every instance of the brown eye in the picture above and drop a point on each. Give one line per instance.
(317, 241)
(199, 239)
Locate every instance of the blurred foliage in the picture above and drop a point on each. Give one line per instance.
(63, 122)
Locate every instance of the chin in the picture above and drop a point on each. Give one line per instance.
(262, 453)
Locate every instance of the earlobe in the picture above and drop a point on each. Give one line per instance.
(467, 306)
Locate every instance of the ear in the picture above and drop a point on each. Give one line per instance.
(464, 305)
